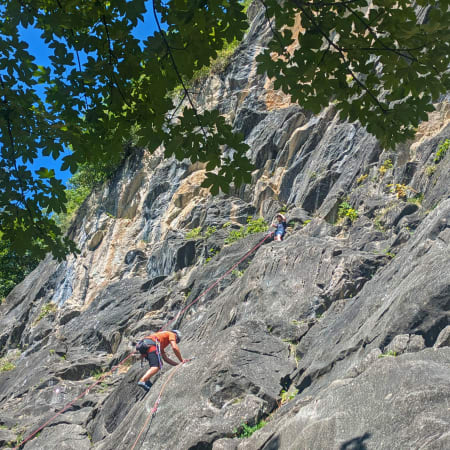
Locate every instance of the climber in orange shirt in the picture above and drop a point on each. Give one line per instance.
(152, 349)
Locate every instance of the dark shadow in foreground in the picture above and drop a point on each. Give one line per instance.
(356, 443)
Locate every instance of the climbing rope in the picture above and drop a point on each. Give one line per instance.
(152, 412)
(155, 406)
(219, 279)
(68, 405)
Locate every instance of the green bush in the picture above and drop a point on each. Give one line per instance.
(247, 430)
(98, 373)
(253, 226)
(235, 235)
(7, 362)
(256, 225)
(75, 197)
(442, 150)
(217, 64)
(417, 199)
(194, 233)
(6, 366)
(362, 178)
(345, 210)
(46, 309)
(286, 396)
(210, 231)
(429, 171)
(237, 273)
(81, 185)
(389, 353)
(385, 167)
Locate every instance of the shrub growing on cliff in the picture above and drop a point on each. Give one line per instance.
(253, 226)
(346, 210)
(7, 362)
(287, 396)
(194, 233)
(442, 151)
(6, 366)
(388, 353)
(247, 430)
(46, 309)
(429, 171)
(88, 176)
(385, 167)
(362, 178)
(400, 190)
(210, 231)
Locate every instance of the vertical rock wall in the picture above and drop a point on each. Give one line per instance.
(302, 334)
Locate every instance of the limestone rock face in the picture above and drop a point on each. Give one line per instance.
(337, 337)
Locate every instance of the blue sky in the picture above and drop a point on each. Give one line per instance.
(41, 52)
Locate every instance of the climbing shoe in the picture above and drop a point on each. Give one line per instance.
(144, 386)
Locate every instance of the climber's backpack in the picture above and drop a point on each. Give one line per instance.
(143, 346)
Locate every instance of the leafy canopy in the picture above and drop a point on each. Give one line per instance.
(13, 267)
(372, 58)
(376, 63)
(101, 85)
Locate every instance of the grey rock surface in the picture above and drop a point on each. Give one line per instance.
(399, 402)
(443, 339)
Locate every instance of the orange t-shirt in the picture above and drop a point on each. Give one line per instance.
(164, 338)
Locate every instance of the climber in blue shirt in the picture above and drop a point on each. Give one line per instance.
(280, 227)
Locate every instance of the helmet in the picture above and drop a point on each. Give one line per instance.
(178, 335)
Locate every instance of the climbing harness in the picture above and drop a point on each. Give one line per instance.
(158, 353)
(113, 369)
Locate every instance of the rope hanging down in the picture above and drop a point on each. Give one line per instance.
(218, 280)
(155, 406)
(153, 411)
(72, 402)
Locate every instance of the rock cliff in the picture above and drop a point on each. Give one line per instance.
(338, 337)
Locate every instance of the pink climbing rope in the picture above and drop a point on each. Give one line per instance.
(218, 280)
(155, 406)
(153, 411)
(68, 405)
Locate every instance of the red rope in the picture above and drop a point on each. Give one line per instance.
(155, 407)
(218, 280)
(172, 373)
(156, 404)
(72, 402)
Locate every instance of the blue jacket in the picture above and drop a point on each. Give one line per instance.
(281, 228)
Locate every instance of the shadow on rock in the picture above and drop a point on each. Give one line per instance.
(356, 443)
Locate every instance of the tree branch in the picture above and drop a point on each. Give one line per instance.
(340, 51)
(180, 78)
(274, 32)
(373, 33)
(178, 107)
(77, 55)
(111, 57)
(14, 159)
